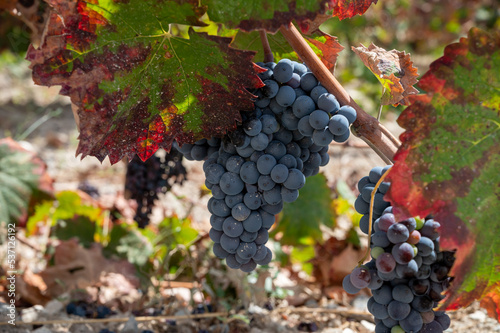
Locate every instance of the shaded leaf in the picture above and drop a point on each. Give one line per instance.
(23, 179)
(300, 220)
(68, 206)
(137, 87)
(29, 13)
(80, 227)
(269, 15)
(251, 41)
(448, 164)
(128, 243)
(334, 260)
(272, 14)
(393, 69)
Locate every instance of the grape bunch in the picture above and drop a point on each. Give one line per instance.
(407, 274)
(145, 180)
(265, 161)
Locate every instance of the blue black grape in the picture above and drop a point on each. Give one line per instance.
(407, 274)
(264, 162)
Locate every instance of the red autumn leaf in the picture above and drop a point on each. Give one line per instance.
(348, 8)
(137, 87)
(327, 48)
(448, 164)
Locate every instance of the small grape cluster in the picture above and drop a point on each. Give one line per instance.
(145, 180)
(265, 160)
(407, 274)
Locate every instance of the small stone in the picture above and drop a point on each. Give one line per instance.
(331, 330)
(31, 314)
(360, 302)
(311, 303)
(131, 326)
(3, 308)
(252, 308)
(42, 329)
(53, 307)
(369, 326)
(478, 315)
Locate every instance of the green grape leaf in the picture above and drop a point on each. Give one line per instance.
(393, 69)
(137, 87)
(448, 164)
(325, 46)
(272, 14)
(128, 242)
(251, 41)
(23, 180)
(80, 227)
(67, 207)
(300, 221)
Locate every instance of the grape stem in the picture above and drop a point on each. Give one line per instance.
(370, 216)
(268, 54)
(379, 138)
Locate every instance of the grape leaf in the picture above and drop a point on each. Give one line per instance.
(448, 164)
(137, 87)
(272, 14)
(393, 69)
(23, 180)
(251, 41)
(325, 46)
(300, 221)
(348, 8)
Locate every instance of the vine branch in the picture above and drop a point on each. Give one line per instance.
(383, 142)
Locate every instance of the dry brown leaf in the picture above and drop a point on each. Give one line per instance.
(334, 260)
(31, 288)
(394, 70)
(77, 268)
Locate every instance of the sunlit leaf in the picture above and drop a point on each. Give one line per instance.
(137, 87)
